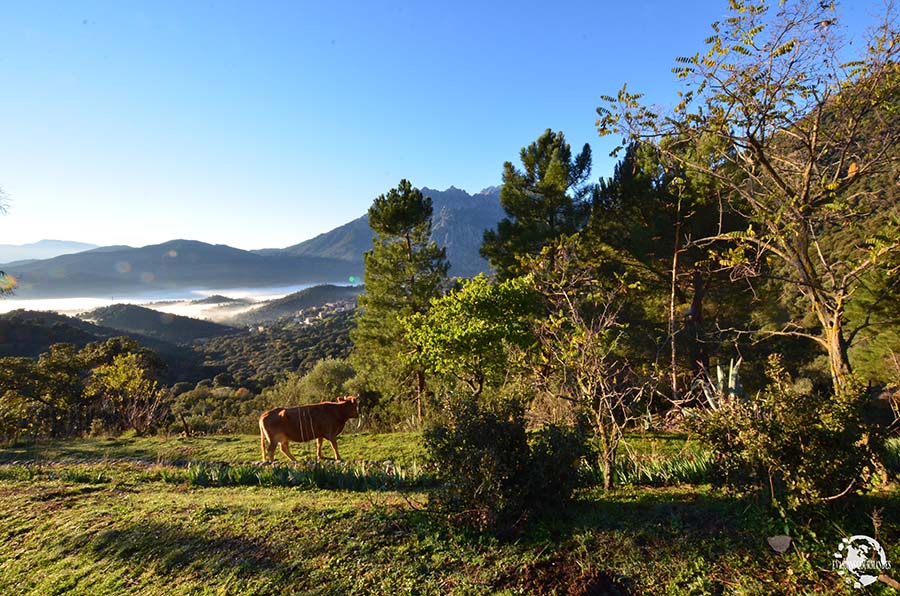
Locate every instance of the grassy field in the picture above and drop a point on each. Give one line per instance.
(401, 448)
(102, 517)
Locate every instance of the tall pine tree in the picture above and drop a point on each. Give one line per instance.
(404, 270)
(544, 201)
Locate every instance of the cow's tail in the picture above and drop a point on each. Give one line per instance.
(263, 438)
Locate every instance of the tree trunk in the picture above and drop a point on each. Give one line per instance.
(420, 393)
(674, 287)
(608, 445)
(838, 360)
(699, 356)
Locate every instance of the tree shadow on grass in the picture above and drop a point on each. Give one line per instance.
(682, 536)
(74, 450)
(668, 512)
(170, 548)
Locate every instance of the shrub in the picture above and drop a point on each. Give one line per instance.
(221, 409)
(805, 446)
(490, 476)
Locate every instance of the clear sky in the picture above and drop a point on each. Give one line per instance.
(261, 124)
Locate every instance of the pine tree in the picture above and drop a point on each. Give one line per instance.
(404, 270)
(544, 202)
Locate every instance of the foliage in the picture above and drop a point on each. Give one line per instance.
(127, 398)
(468, 334)
(256, 359)
(404, 271)
(361, 476)
(538, 203)
(803, 143)
(219, 410)
(327, 381)
(53, 396)
(725, 387)
(802, 445)
(659, 218)
(584, 341)
(490, 476)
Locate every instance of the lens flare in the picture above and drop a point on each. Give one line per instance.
(7, 282)
(123, 267)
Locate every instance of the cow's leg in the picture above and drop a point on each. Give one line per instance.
(334, 448)
(318, 448)
(287, 450)
(271, 450)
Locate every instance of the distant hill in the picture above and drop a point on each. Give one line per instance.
(28, 334)
(290, 304)
(130, 318)
(218, 299)
(178, 264)
(258, 358)
(43, 249)
(458, 223)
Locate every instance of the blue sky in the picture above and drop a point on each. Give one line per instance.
(262, 124)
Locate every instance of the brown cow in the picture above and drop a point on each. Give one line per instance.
(305, 423)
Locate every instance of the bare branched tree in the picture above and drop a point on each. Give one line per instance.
(582, 344)
(802, 141)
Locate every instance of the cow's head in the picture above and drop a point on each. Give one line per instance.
(351, 405)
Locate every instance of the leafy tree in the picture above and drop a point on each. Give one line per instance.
(544, 201)
(657, 219)
(326, 381)
(797, 139)
(468, 334)
(129, 398)
(403, 272)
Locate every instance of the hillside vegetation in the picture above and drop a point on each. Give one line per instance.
(130, 318)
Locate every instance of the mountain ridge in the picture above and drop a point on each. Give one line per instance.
(458, 223)
(42, 249)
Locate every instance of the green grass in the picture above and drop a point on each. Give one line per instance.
(129, 527)
(400, 448)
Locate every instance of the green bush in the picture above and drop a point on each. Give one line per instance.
(802, 445)
(219, 410)
(490, 476)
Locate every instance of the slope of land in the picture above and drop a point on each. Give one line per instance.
(43, 249)
(294, 305)
(131, 318)
(458, 223)
(29, 334)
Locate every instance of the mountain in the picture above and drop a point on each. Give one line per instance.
(178, 264)
(43, 249)
(130, 318)
(458, 223)
(316, 296)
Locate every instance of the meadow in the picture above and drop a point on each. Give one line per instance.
(194, 515)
